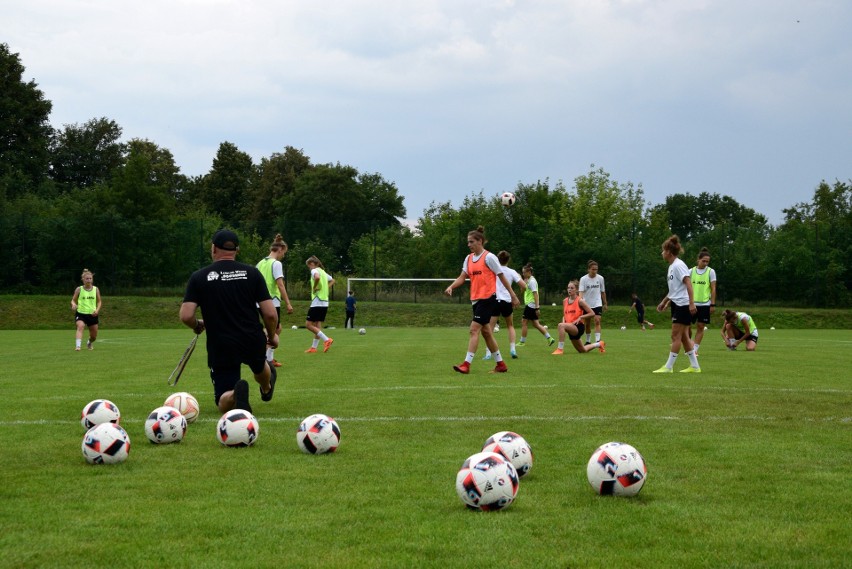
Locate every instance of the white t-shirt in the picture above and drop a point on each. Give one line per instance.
(677, 289)
(277, 273)
(513, 277)
(591, 289)
(316, 301)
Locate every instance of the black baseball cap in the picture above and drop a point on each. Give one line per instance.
(226, 239)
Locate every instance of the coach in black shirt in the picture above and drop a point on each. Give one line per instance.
(228, 293)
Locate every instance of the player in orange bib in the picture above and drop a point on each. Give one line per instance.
(574, 310)
(483, 268)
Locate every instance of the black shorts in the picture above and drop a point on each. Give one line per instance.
(640, 317)
(503, 308)
(484, 309)
(277, 312)
(598, 310)
(88, 319)
(317, 313)
(739, 334)
(530, 313)
(703, 314)
(225, 361)
(681, 314)
(581, 328)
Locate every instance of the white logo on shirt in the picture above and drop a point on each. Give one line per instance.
(212, 276)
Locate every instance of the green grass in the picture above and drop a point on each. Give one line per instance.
(748, 462)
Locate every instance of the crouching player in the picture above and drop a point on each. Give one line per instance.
(574, 311)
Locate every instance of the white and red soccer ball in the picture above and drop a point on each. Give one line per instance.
(237, 428)
(165, 425)
(318, 434)
(513, 447)
(185, 403)
(616, 469)
(106, 443)
(487, 481)
(99, 411)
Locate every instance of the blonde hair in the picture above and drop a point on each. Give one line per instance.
(86, 272)
(314, 260)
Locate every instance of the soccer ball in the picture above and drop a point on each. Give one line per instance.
(106, 443)
(487, 481)
(237, 428)
(362, 331)
(294, 327)
(507, 199)
(185, 403)
(99, 411)
(496, 327)
(513, 447)
(617, 469)
(318, 434)
(165, 425)
(623, 328)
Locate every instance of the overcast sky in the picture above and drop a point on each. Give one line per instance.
(446, 98)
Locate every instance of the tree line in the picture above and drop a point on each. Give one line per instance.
(79, 196)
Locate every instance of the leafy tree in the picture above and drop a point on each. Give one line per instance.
(83, 156)
(224, 189)
(277, 179)
(24, 130)
(163, 170)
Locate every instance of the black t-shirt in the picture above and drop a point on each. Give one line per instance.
(639, 306)
(227, 292)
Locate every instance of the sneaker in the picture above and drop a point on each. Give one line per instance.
(691, 370)
(500, 368)
(327, 344)
(276, 363)
(273, 376)
(89, 345)
(663, 369)
(551, 341)
(520, 344)
(311, 350)
(241, 395)
(486, 357)
(602, 347)
(557, 352)
(463, 367)
(514, 355)
(651, 326)
(77, 349)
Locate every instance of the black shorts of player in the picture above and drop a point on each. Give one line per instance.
(504, 308)
(530, 313)
(581, 328)
(277, 313)
(681, 314)
(484, 309)
(703, 314)
(640, 317)
(88, 319)
(317, 313)
(598, 310)
(739, 334)
(225, 361)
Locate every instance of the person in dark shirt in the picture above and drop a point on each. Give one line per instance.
(350, 310)
(229, 293)
(640, 312)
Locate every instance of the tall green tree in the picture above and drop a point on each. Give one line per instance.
(224, 190)
(84, 155)
(24, 130)
(276, 179)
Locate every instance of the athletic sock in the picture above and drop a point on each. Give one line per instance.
(322, 336)
(469, 357)
(695, 349)
(561, 345)
(597, 336)
(523, 340)
(487, 353)
(78, 343)
(270, 354)
(497, 357)
(671, 362)
(693, 361)
(315, 343)
(588, 338)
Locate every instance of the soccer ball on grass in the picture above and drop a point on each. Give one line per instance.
(185, 403)
(318, 434)
(616, 469)
(362, 331)
(513, 447)
(237, 428)
(106, 443)
(99, 411)
(165, 425)
(487, 481)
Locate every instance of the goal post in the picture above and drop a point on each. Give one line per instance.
(407, 289)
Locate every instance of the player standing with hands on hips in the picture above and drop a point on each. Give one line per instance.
(273, 273)
(483, 268)
(682, 306)
(86, 304)
(593, 292)
(229, 294)
(704, 288)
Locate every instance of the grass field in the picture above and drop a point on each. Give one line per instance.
(749, 462)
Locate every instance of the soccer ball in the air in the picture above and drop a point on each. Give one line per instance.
(237, 428)
(106, 443)
(513, 447)
(165, 425)
(99, 411)
(362, 331)
(318, 434)
(617, 469)
(487, 481)
(185, 403)
(507, 199)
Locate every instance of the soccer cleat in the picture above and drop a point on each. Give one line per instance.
(520, 344)
(463, 367)
(663, 369)
(514, 355)
(241, 395)
(651, 326)
(273, 376)
(327, 344)
(602, 347)
(276, 363)
(77, 349)
(557, 352)
(500, 368)
(486, 357)
(550, 341)
(311, 350)
(691, 370)
(89, 345)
